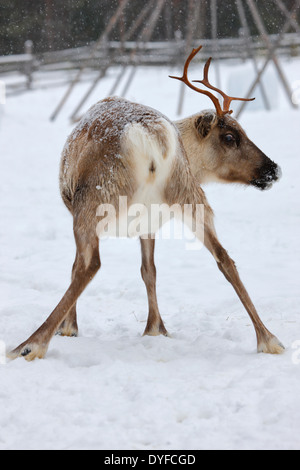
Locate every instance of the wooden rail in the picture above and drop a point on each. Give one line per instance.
(168, 53)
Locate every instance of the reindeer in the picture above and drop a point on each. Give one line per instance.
(124, 148)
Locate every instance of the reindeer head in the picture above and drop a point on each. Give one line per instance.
(219, 148)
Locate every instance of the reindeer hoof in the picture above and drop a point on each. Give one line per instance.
(156, 330)
(28, 351)
(70, 332)
(270, 345)
(68, 328)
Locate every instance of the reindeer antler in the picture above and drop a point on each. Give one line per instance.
(205, 81)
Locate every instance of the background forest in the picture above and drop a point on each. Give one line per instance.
(54, 25)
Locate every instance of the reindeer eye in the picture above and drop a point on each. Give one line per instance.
(229, 138)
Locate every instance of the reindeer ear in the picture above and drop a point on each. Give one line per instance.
(204, 123)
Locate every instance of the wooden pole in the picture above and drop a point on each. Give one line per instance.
(111, 24)
(138, 22)
(134, 27)
(288, 15)
(146, 34)
(265, 38)
(268, 59)
(145, 37)
(246, 29)
(28, 46)
(153, 20)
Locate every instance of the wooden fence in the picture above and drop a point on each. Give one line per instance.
(169, 53)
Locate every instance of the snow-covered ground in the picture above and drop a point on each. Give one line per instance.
(111, 388)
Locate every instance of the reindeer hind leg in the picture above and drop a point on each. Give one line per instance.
(88, 263)
(155, 325)
(69, 326)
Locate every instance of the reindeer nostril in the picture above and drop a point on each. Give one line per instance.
(269, 173)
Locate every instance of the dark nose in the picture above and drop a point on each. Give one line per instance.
(267, 175)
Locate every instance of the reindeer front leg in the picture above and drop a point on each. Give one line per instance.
(183, 189)
(266, 341)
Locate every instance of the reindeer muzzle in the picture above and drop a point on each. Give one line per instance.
(268, 174)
